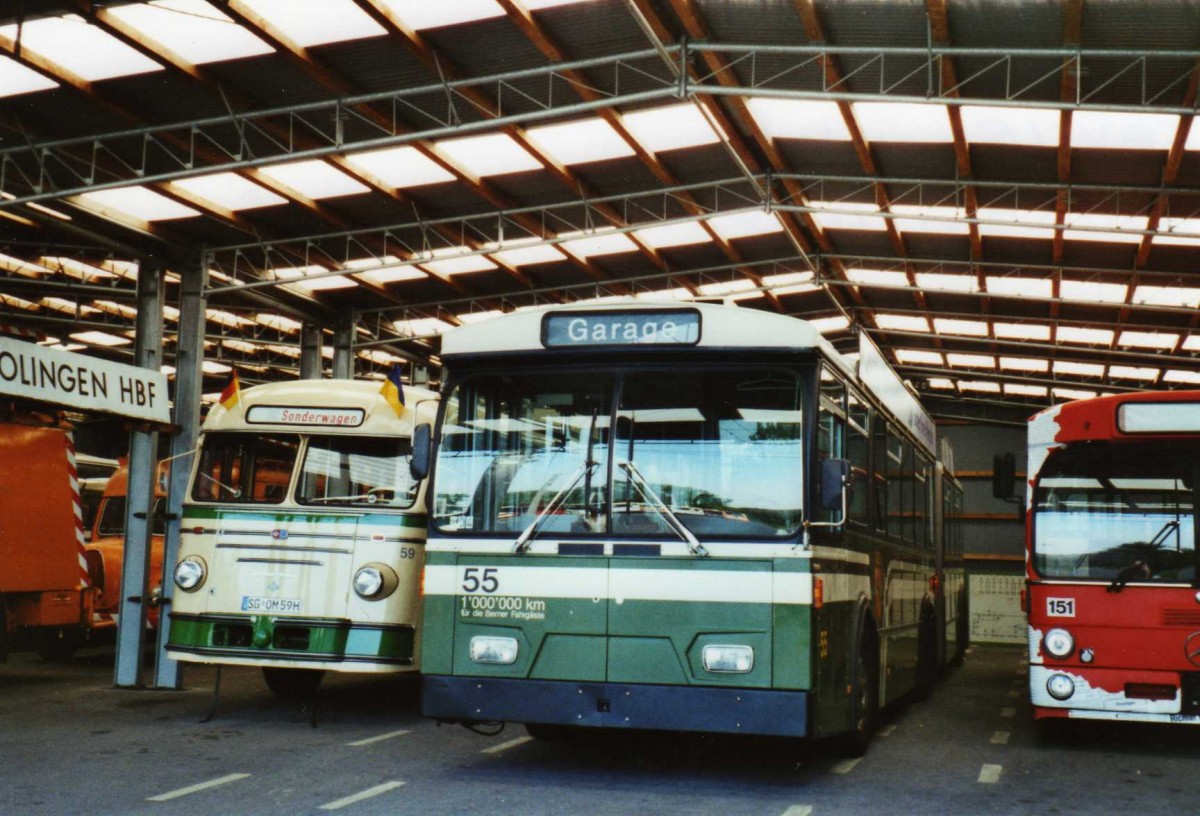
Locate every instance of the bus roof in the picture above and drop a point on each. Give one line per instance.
(720, 327)
(1101, 418)
(325, 406)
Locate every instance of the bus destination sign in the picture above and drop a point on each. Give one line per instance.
(314, 417)
(640, 328)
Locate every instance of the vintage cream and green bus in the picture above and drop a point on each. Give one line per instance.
(682, 517)
(302, 538)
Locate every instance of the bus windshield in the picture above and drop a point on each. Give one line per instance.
(241, 468)
(624, 454)
(1110, 512)
(356, 470)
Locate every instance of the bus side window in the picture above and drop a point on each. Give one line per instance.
(880, 469)
(857, 451)
(923, 504)
(831, 433)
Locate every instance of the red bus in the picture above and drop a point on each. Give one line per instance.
(1113, 598)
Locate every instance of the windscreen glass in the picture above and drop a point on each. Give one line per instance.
(245, 468)
(1117, 513)
(356, 470)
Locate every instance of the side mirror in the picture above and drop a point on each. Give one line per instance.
(835, 476)
(422, 451)
(1004, 475)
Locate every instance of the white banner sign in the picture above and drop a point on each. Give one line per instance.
(71, 380)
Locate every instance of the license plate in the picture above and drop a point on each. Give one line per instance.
(252, 604)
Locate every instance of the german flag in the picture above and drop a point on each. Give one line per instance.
(231, 394)
(393, 391)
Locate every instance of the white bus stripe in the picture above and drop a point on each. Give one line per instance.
(373, 740)
(504, 746)
(358, 797)
(212, 783)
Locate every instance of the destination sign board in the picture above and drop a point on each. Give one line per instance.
(311, 417)
(665, 327)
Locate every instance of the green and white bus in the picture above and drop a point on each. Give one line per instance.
(302, 538)
(682, 517)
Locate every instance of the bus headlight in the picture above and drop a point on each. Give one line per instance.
(499, 650)
(736, 659)
(375, 581)
(190, 573)
(1060, 686)
(1058, 643)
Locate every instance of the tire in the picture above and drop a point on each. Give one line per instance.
(58, 645)
(292, 684)
(864, 696)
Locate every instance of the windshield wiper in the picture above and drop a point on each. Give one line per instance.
(522, 543)
(668, 515)
(235, 492)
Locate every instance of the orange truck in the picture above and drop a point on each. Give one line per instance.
(58, 583)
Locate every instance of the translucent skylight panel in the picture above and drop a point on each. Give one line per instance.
(1023, 390)
(99, 338)
(599, 242)
(1020, 287)
(971, 360)
(919, 357)
(277, 322)
(494, 154)
(1073, 393)
(799, 119)
(15, 79)
(1023, 364)
(401, 167)
(139, 202)
(84, 50)
(982, 386)
(1192, 342)
(947, 283)
(1085, 336)
(231, 191)
(903, 122)
(479, 317)
(725, 288)
(1078, 369)
(1021, 331)
(971, 328)
(1114, 229)
(670, 128)
(941, 383)
(933, 221)
(1154, 340)
(1167, 296)
(877, 277)
(1178, 231)
(678, 293)
(745, 224)
(901, 322)
(240, 345)
(26, 269)
(1016, 223)
(847, 216)
(227, 318)
(1010, 126)
(299, 277)
(456, 265)
(316, 22)
(1180, 376)
(585, 140)
(523, 252)
(538, 5)
(422, 14)
(828, 325)
(790, 283)
(1133, 372)
(1092, 291)
(213, 367)
(1129, 131)
(194, 29)
(314, 179)
(670, 235)
(421, 326)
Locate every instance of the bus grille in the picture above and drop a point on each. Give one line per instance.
(1181, 617)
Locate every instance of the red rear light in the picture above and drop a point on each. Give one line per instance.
(818, 593)
(935, 583)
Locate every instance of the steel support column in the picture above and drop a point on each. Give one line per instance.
(189, 380)
(311, 362)
(343, 352)
(143, 443)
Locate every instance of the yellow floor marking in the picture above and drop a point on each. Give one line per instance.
(212, 783)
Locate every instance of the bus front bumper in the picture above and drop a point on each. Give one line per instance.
(616, 705)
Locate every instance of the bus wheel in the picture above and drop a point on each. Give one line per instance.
(59, 644)
(292, 684)
(864, 699)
